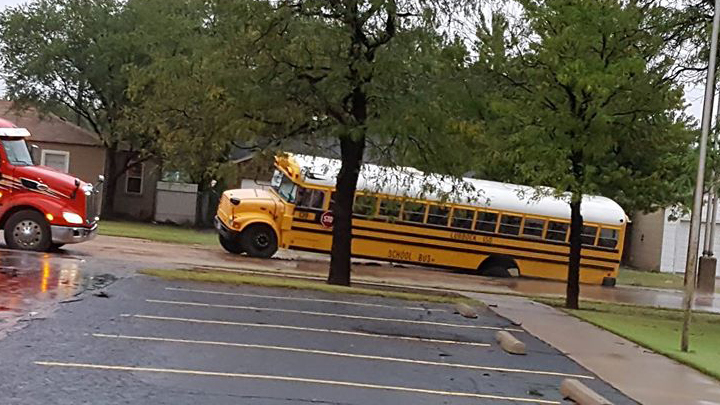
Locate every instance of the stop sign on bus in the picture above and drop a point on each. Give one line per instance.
(326, 219)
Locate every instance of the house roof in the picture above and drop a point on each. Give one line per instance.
(47, 128)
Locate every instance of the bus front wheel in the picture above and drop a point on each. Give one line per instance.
(231, 245)
(259, 241)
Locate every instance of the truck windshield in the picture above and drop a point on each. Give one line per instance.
(17, 152)
(284, 187)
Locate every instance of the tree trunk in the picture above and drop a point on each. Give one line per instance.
(351, 151)
(110, 186)
(572, 295)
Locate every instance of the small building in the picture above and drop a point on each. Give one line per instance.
(658, 241)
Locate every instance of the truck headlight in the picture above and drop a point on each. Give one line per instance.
(72, 218)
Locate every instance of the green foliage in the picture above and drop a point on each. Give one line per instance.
(586, 101)
(266, 76)
(68, 55)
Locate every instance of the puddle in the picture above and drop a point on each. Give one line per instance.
(29, 281)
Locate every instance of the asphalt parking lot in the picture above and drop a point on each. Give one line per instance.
(160, 342)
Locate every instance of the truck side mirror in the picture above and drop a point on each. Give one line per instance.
(35, 154)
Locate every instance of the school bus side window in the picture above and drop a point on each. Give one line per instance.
(413, 211)
(310, 198)
(557, 231)
(438, 215)
(588, 235)
(462, 218)
(390, 208)
(486, 221)
(364, 205)
(533, 227)
(510, 224)
(608, 238)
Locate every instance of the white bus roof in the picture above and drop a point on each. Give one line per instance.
(14, 132)
(412, 183)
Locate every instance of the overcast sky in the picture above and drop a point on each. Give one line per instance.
(694, 96)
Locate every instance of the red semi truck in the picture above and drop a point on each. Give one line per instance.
(41, 209)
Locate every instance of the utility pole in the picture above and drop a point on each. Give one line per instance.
(694, 237)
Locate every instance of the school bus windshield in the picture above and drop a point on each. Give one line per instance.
(285, 188)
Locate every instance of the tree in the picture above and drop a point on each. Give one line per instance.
(352, 70)
(588, 105)
(69, 57)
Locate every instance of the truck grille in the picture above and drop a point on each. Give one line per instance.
(92, 205)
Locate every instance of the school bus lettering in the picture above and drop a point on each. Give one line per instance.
(425, 258)
(463, 236)
(399, 255)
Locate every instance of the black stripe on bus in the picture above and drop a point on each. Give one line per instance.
(448, 267)
(462, 250)
(444, 239)
(458, 230)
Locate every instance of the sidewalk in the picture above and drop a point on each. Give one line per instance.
(647, 377)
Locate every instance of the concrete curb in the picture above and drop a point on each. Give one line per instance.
(466, 310)
(510, 343)
(580, 393)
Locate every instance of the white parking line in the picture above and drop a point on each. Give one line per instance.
(295, 311)
(306, 329)
(135, 369)
(361, 304)
(343, 354)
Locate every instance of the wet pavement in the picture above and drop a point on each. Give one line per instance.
(163, 342)
(33, 284)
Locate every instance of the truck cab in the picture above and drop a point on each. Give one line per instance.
(41, 209)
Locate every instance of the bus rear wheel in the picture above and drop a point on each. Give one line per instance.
(231, 245)
(259, 241)
(499, 267)
(28, 230)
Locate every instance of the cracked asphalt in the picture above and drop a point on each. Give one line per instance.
(154, 341)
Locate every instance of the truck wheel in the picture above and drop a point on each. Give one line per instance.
(232, 246)
(28, 230)
(259, 241)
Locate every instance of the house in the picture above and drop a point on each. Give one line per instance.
(64, 146)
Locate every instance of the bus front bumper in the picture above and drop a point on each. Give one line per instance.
(224, 231)
(67, 234)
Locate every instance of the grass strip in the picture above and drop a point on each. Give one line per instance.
(158, 233)
(226, 277)
(658, 330)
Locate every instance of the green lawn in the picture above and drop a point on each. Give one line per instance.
(649, 279)
(659, 330)
(652, 280)
(158, 233)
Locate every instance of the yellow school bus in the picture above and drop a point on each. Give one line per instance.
(404, 216)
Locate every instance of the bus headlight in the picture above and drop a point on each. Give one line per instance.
(72, 218)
